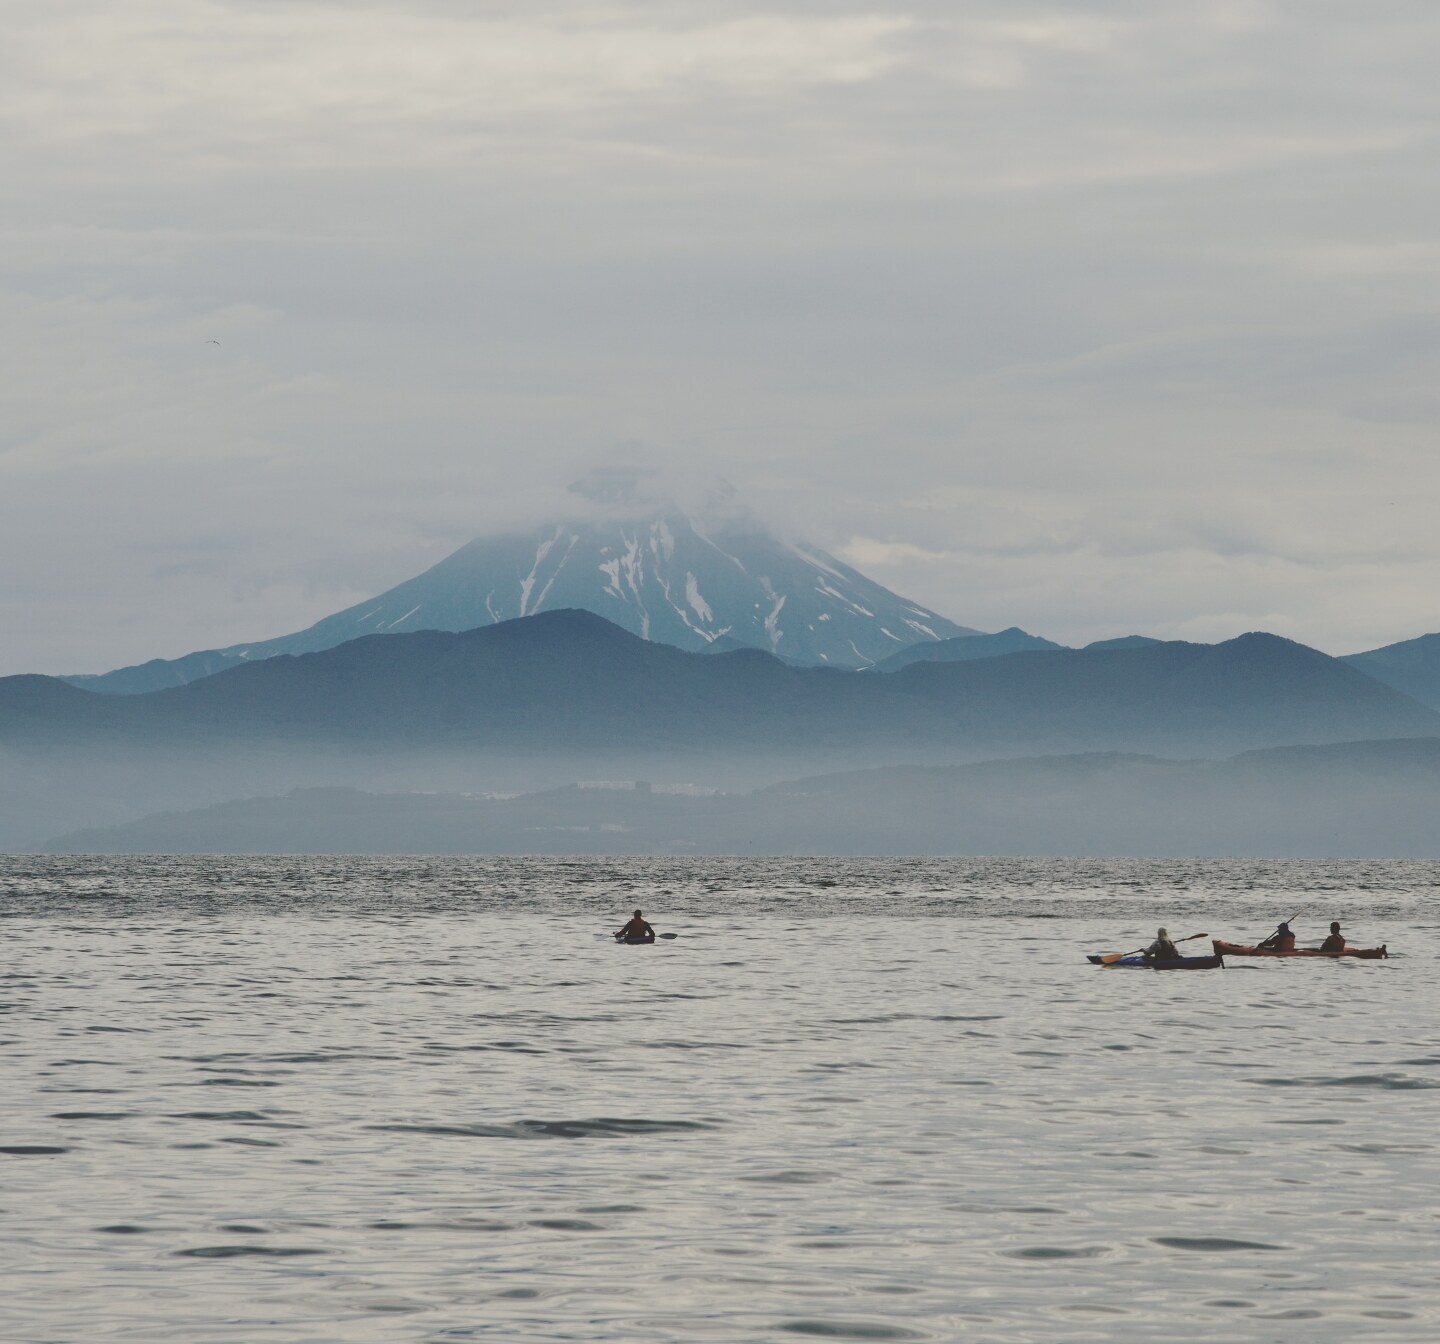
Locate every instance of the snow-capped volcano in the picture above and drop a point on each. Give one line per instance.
(664, 579)
(708, 578)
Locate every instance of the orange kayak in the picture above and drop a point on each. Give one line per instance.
(1224, 949)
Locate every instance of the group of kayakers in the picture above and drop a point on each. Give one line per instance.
(1282, 940)
(638, 930)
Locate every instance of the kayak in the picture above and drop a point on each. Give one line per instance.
(1169, 964)
(1224, 949)
(633, 942)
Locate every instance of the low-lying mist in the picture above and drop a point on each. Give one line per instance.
(1358, 799)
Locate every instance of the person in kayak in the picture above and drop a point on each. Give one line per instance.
(1336, 941)
(1162, 949)
(637, 928)
(1282, 940)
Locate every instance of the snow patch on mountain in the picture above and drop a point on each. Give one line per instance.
(697, 603)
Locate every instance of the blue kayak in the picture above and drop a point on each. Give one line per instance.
(1170, 964)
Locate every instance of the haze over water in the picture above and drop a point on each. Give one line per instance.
(429, 1100)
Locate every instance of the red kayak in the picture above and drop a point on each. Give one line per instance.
(1224, 949)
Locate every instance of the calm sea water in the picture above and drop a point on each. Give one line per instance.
(262, 1100)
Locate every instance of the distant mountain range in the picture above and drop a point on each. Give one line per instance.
(716, 577)
(527, 703)
(1412, 666)
(569, 680)
(965, 648)
(1354, 799)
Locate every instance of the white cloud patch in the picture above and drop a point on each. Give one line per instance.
(210, 81)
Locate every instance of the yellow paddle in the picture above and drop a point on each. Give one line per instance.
(1110, 958)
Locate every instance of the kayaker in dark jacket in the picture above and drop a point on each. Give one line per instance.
(1162, 949)
(1282, 940)
(637, 928)
(1336, 941)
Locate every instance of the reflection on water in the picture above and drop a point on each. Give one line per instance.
(320, 1100)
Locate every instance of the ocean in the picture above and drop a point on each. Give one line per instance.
(340, 1099)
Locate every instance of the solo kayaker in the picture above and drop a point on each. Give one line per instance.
(637, 928)
(1282, 940)
(1162, 949)
(1336, 941)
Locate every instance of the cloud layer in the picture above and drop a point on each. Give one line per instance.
(1091, 317)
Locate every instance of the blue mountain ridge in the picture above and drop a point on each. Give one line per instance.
(964, 648)
(1350, 799)
(1411, 666)
(528, 703)
(560, 679)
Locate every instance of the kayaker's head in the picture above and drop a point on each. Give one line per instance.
(638, 915)
(1162, 933)
(1285, 928)
(1334, 926)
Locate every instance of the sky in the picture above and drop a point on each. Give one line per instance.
(1093, 317)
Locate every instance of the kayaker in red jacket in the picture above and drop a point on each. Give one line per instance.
(1282, 940)
(1336, 941)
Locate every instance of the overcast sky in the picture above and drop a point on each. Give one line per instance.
(1088, 317)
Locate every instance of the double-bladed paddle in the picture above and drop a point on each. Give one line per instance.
(1110, 958)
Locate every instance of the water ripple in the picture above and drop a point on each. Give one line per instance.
(601, 1127)
(1215, 1244)
(230, 1252)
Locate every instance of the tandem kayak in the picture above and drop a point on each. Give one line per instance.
(1224, 949)
(1170, 964)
